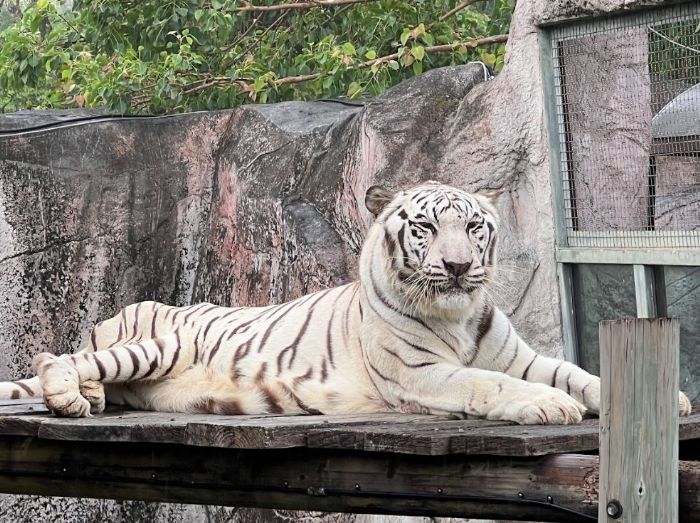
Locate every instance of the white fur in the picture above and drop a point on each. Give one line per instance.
(417, 333)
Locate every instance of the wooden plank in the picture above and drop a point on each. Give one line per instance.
(400, 433)
(33, 408)
(639, 420)
(461, 437)
(285, 431)
(36, 403)
(125, 427)
(424, 437)
(689, 427)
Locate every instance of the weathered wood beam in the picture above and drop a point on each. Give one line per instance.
(639, 420)
(550, 488)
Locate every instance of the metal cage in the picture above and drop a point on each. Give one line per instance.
(626, 122)
(622, 99)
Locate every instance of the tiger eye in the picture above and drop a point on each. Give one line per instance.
(426, 225)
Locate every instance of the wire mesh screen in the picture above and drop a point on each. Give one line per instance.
(628, 111)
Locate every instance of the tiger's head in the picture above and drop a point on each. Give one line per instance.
(439, 244)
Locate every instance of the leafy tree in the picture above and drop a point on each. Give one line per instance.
(156, 56)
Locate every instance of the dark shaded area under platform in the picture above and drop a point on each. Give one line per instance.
(382, 463)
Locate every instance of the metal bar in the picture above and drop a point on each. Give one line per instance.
(552, 126)
(644, 291)
(634, 239)
(660, 290)
(690, 257)
(568, 319)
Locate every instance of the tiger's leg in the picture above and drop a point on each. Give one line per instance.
(21, 389)
(501, 349)
(63, 377)
(449, 387)
(196, 390)
(568, 377)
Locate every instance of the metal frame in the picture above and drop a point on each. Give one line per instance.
(652, 249)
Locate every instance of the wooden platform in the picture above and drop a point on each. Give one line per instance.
(393, 463)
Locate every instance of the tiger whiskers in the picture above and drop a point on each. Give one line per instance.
(418, 291)
(492, 291)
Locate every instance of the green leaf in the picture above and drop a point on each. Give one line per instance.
(488, 59)
(259, 83)
(354, 90)
(349, 49)
(418, 52)
(114, 49)
(36, 21)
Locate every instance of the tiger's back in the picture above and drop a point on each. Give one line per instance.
(301, 357)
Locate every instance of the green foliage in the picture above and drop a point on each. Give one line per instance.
(156, 56)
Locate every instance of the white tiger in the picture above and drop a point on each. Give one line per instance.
(417, 333)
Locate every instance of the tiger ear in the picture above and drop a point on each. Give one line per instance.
(376, 198)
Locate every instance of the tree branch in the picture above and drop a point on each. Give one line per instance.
(300, 5)
(444, 48)
(247, 7)
(457, 9)
(297, 79)
(212, 81)
(258, 38)
(240, 37)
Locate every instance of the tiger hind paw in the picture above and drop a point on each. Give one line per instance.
(684, 406)
(94, 392)
(60, 384)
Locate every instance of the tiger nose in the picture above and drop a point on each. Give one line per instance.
(457, 269)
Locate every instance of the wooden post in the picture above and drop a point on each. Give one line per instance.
(639, 420)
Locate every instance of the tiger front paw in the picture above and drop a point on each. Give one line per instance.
(60, 384)
(540, 404)
(591, 397)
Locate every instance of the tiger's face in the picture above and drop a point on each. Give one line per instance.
(440, 242)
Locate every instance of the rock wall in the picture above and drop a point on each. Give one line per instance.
(261, 204)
